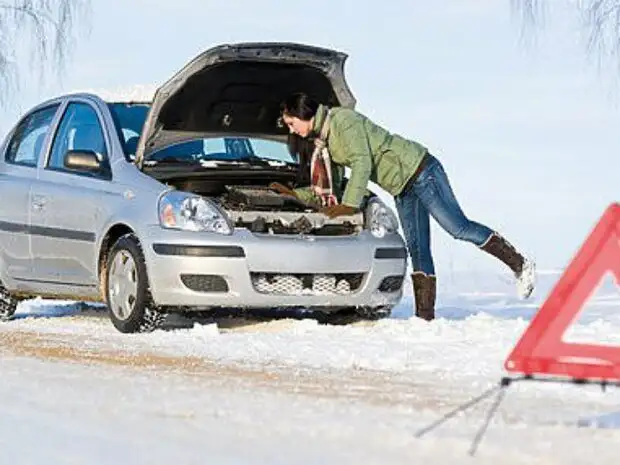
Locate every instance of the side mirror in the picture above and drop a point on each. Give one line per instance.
(82, 160)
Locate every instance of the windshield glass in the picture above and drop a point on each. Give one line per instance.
(225, 149)
(129, 119)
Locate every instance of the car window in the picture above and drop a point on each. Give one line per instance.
(129, 119)
(79, 129)
(27, 141)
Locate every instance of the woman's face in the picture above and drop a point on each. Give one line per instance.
(297, 126)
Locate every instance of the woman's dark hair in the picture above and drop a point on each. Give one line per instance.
(301, 148)
(300, 105)
(304, 107)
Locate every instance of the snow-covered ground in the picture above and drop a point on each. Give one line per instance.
(292, 391)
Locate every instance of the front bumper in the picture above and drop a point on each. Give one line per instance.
(245, 270)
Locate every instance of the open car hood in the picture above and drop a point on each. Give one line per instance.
(237, 90)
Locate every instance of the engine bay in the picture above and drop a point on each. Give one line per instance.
(260, 198)
(251, 204)
(263, 210)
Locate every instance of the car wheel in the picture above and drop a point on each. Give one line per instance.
(127, 291)
(8, 304)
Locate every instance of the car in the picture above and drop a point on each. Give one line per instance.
(161, 206)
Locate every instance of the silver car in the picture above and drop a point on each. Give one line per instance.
(164, 206)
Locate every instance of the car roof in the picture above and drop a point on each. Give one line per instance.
(141, 96)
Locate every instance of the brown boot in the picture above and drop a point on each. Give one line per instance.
(424, 290)
(523, 268)
(500, 248)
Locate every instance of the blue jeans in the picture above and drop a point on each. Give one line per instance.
(429, 195)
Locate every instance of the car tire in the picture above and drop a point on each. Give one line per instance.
(130, 306)
(8, 304)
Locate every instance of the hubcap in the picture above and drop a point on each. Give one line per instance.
(122, 285)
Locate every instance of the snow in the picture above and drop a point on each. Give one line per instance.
(290, 390)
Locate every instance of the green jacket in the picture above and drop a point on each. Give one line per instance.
(370, 151)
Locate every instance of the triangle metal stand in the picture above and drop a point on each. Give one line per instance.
(500, 391)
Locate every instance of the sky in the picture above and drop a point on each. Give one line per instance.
(527, 130)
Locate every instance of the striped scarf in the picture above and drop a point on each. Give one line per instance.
(320, 168)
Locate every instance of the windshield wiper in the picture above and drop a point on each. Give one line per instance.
(170, 160)
(270, 162)
(214, 162)
(252, 159)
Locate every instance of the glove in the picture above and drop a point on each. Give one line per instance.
(282, 189)
(338, 210)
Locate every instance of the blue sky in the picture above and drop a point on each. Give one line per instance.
(527, 131)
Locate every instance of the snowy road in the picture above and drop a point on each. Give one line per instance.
(75, 390)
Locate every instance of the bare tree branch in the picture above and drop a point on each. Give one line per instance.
(600, 20)
(531, 11)
(532, 16)
(40, 29)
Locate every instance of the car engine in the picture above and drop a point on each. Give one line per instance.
(262, 210)
(260, 198)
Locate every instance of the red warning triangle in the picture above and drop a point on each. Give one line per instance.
(541, 349)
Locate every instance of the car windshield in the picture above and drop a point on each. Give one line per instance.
(129, 119)
(212, 149)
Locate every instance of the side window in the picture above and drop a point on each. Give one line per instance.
(25, 146)
(129, 119)
(79, 129)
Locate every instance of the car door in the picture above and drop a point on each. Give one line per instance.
(17, 173)
(68, 203)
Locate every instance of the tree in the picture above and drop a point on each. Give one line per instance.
(600, 20)
(40, 31)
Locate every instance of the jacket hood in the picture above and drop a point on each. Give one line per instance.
(237, 90)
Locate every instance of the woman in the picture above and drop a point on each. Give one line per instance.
(406, 170)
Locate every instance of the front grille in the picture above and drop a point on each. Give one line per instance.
(306, 283)
(204, 282)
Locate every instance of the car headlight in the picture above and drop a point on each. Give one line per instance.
(380, 219)
(182, 210)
